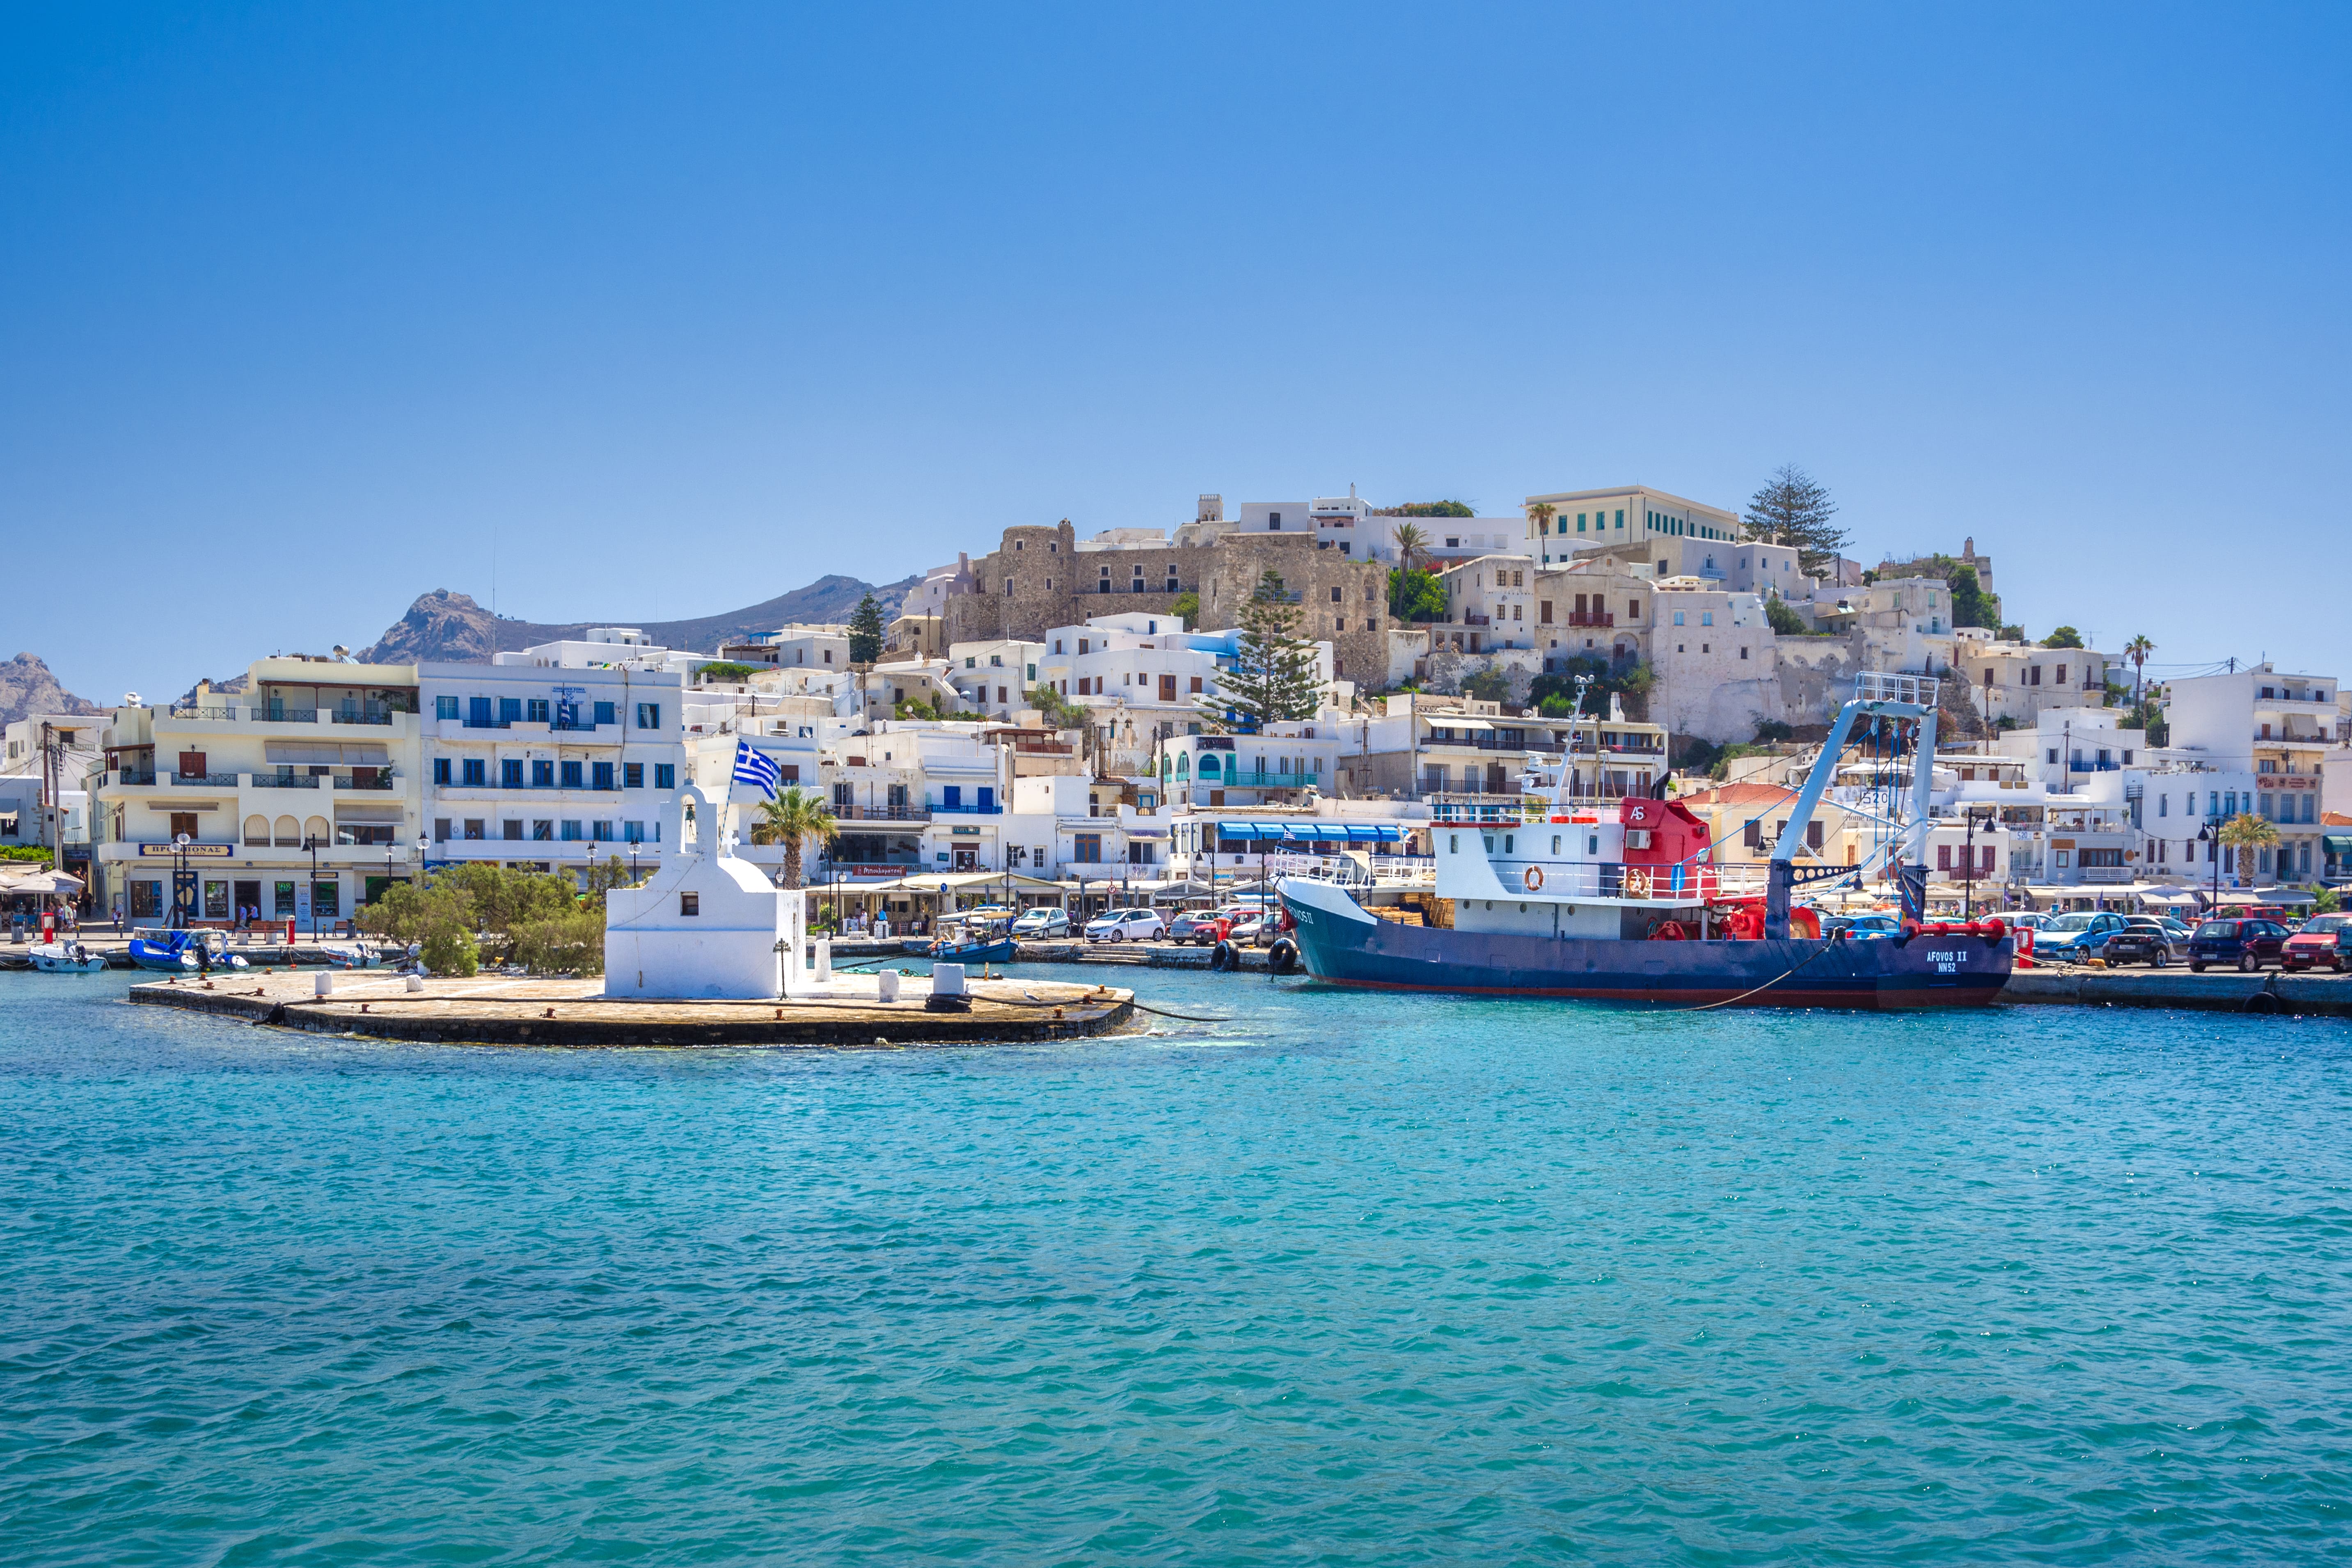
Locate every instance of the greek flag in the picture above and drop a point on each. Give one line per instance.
(756, 768)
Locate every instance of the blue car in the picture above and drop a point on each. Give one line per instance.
(2078, 936)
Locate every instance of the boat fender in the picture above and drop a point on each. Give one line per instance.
(1534, 879)
(1223, 958)
(1282, 957)
(1668, 930)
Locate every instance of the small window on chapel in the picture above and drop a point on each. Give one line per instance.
(689, 903)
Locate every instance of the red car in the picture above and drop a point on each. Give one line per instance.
(2324, 941)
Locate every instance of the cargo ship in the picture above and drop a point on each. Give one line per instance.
(1625, 902)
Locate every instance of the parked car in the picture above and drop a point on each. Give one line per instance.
(1037, 924)
(1203, 926)
(2248, 944)
(1861, 928)
(1127, 925)
(2324, 940)
(2143, 941)
(2077, 935)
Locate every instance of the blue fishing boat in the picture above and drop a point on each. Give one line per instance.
(1627, 905)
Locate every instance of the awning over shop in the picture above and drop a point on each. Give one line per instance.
(2338, 844)
(1248, 830)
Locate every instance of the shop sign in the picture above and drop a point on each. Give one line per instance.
(193, 851)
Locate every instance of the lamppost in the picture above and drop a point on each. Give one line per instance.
(1969, 866)
(2207, 836)
(311, 843)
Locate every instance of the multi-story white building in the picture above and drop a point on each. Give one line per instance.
(1490, 603)
(2277, 727)
(300, 796)
(993, 677)
(1622, 515)
(549, 765)
(43, 761)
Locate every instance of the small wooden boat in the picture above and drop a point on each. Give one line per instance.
(66, 958)
(989, 943)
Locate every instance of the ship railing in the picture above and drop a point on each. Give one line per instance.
(1622, 879)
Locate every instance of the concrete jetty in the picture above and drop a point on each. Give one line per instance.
(494, 1010)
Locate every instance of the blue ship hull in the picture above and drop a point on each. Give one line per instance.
(1350, 948)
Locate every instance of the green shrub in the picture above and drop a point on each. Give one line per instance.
(450, 950)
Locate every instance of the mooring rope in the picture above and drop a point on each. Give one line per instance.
(1744, 995)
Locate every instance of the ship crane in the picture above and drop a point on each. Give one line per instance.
(1877, 695)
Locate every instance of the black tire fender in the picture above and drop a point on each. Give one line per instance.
(1224, 957)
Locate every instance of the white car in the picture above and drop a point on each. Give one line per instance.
(1042, 923)
(1127, 925)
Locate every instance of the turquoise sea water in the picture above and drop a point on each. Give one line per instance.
(1361, 1280)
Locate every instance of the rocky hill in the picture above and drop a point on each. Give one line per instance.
(27, 688)
(451, 627)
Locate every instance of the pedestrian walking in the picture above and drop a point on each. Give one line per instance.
(118, 914)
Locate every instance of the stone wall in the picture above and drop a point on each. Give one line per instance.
(1053, 583)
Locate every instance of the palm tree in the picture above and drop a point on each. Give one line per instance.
(2246, 831)
(2137, 650)
(1412, 539)
(1541, 514)
(792, 818)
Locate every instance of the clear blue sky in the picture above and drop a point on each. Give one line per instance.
(301, 307)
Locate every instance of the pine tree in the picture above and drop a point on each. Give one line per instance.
(1791, 509)
(1277, 677)
(866, 632)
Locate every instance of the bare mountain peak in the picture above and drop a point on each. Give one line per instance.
(447, 626)
(27, 690)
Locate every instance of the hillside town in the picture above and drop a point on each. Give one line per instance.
(1156, 714)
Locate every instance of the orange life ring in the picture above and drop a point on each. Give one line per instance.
(1533, 880)
(1637, 884)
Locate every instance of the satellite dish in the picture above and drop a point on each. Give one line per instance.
(342, 653)
(130, 700)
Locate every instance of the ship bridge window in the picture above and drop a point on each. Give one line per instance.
(1453, 844)
(1555, 843)
(1507, 844)
(1592, 844)
(1490, 843)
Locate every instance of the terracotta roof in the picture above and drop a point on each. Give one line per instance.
(2336, 818)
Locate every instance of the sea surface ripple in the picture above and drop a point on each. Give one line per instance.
(1350, 1279)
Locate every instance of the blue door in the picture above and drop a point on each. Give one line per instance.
(987, 798)
(952, 796)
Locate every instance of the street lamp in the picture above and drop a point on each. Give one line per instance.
(1969, 865)
(311, 843)
(2207, 836)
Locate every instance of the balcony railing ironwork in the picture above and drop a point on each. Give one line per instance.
(377, 782)
(277, 715)
(134, 776)
(285, 780)
(210, 780)
(192, 710)
(364, 715)
(1592, 618)
(967, 809)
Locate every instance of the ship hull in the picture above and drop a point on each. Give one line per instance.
(1338, 942)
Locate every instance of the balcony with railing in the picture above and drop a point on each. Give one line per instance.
(856, 811)
(284, 779)
(1468, 620)
(967, 808)
(1603, 618)
(205, 781)
(365, 778)
(274, 714)
(131, 776)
